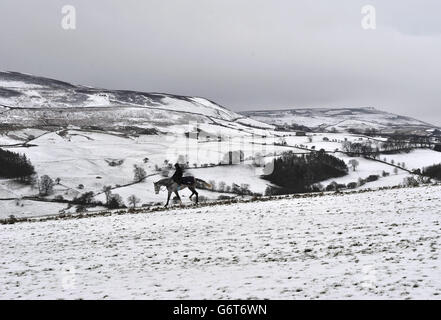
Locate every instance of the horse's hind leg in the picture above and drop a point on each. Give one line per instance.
(194, 192)
(179, 198)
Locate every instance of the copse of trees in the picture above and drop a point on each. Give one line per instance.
(295, 174)
(365, 149)
(15, 166)
(433, 172)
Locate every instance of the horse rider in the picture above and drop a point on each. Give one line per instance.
(177, 176)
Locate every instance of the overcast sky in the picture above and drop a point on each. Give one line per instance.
(243, 54)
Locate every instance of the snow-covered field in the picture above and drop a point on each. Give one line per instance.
(416, 159)
(382, 244)
(82, 158)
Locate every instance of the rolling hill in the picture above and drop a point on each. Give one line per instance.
(339, 119)
(32, 101)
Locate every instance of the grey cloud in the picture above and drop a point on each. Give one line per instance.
(244, 54)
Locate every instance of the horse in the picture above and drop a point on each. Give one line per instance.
(173, 186)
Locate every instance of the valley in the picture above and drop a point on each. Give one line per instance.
(87, 139)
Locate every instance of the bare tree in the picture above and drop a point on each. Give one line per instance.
(133, 200)
(108, 193)
(46, 185)
(221, 186)
(139, 173)
(354, 164)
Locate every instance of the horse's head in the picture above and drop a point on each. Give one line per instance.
(157, 187)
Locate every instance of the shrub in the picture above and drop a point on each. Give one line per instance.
(81, 208)
(85, 199)
(221, 186)
(115, 163)
(222, 197)
(115, 202)
(410, 182)
(332, 186)
(352, 185)
(372, 177)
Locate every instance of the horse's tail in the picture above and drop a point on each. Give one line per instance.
(204, 183)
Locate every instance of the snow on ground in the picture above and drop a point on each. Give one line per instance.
(27, 208)
(12, 189)
(366, 168)
(415, 159)
(381, 245)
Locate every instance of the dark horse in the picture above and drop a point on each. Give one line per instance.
(172, 186)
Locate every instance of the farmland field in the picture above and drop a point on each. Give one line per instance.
(381, 244)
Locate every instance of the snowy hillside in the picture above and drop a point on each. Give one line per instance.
(380, 245)
(340, 119)
(39, 101)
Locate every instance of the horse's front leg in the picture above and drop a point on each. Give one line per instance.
(168, 198)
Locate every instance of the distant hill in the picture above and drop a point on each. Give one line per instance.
(32, 101)
(339, 119)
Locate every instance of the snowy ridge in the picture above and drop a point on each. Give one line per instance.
(340, 119)
(21, 91)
